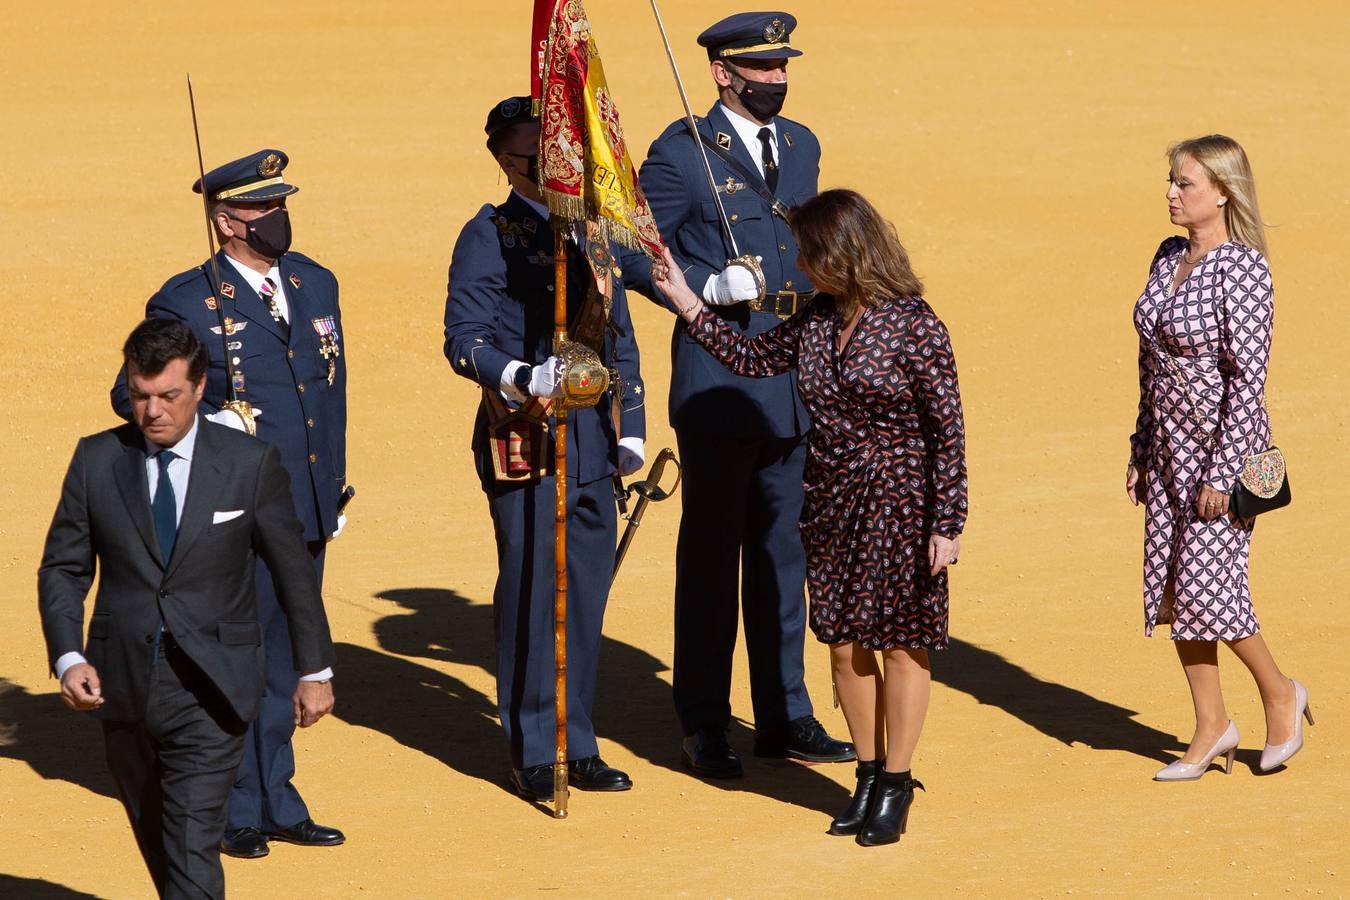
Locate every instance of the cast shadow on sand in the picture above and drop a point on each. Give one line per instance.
(39, 889)
(1056, 710)
(438, 715)
(56, 742)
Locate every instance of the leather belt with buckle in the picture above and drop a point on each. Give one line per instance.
(783, 304)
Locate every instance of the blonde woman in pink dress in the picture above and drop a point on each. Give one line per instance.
(1204, 323)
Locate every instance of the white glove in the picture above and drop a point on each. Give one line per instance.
(731, 285)
(546, 379)
(342, 523)
(231, 419)
(631, 455)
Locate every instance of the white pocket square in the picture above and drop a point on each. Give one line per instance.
(225, 515)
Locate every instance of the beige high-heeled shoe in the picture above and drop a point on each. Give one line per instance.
(1226, 745)
(1276, 755)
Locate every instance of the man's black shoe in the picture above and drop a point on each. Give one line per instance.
(707, 753)
(803, 739)
(244, 843)
(534, 783)
(308, 834)
(591, 774)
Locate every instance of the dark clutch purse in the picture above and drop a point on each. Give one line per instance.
(1262, 485)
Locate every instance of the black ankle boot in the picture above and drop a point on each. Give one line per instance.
(890, 809)
(850, 821)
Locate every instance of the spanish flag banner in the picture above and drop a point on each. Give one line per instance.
(585, 172)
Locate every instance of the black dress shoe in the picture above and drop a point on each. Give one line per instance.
(308, 834)
(591, 774)
(850, 821)
(890, 809)
(244, 843)
(707, 753)
(533, 783)
(803, 739)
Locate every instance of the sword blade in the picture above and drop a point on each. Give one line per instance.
(214, 275)
(693, 133)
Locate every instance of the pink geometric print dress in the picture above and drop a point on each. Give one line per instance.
(1215, 333)
(885, 467)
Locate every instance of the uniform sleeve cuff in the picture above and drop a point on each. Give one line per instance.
(321, 675)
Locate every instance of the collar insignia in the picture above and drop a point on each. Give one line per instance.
(724, 140)
(295, 280)
(787, 139)
(227, 289)
(211, 303)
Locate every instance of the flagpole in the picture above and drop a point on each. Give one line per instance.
(560, 530)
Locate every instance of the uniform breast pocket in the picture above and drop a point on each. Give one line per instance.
(738, 211)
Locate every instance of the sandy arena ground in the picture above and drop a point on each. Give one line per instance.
(1018, 148)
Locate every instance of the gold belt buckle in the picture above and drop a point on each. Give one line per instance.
(792, 308)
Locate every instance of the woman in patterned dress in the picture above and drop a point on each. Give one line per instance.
(1204, 323)
(885, 480)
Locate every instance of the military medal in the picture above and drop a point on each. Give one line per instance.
(326, 327)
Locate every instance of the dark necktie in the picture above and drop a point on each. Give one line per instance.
(164, 508)
(268, 291)
(766, 153)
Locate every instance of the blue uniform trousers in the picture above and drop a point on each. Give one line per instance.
(742, 498)
(522, 606)
(263, 795)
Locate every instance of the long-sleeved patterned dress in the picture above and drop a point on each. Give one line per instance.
(1214, 333)
(886, 464)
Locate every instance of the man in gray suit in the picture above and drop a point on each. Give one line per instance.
(171, 510)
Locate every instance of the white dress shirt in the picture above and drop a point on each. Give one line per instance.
(179, 470)
(255, 281)
(748, 132)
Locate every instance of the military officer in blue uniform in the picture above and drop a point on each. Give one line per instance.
(270, 320)
(498, 329)
(742, 440)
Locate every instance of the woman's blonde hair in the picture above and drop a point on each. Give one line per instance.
(847, 243)
(1224, 160)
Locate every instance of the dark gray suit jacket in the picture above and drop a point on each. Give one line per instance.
(204, 594)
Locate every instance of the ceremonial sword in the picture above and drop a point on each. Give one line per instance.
(241, 408)
(747, 261)
(648, 490)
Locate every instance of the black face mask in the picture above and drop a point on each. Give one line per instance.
(531, 165)
(763, 99)
(269, 235)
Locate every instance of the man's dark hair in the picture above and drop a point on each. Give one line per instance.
(155, 343)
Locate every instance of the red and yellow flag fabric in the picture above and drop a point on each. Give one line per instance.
(585, 171)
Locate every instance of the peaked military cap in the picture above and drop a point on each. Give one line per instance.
(751, 35)
(248, 180)
(511, 111)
